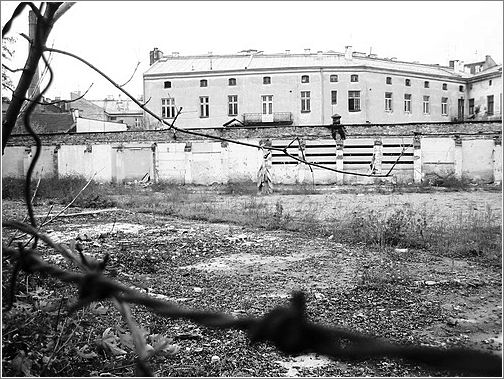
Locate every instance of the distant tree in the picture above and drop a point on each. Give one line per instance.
(7, 53)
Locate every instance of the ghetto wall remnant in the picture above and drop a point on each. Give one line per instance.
(414, 152)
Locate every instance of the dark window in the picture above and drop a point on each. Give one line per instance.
(445, 86)
(426, 105)
(334, 97)
(426, 84)
(354, 101)
(461, 88)
(471, 106)
(407, 102)
(203, 83)
(305, 79)
(305, 102)
(490, 105)
(113, 118)
(232, 81)
(233, 105)
(267, 80)
(333, 78)
(167, 84)
(389, 80)
(444, 106)
(388, 101)
(204, 107)
(354, 78)
(407, 82)
(168, 107)
(490, 82)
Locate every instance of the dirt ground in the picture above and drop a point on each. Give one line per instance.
(403, 296)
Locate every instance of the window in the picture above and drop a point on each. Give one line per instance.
(388, 80)
(461, 88)
(445, 86)
(168, 107)
(334, 97)
(407, 102)
(232, 81)
(354, 101)
(305, 101)
(471, 106)
(388, 101)
(137, 123)
(267, 80)
(113, 118)
(490, 105)
(204, 106)
(233, 105)
(407, 82)
(305, 79)
(354, 78)
(167, 84)
(490, 82)
(333, 78)
(426, 105)
(203, 83)
(267, 104)
(426, 84)
(444, 106)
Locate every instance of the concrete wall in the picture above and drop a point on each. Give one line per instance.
(129, 156)
(85, 125)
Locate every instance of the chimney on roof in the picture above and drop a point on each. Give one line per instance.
(457, 65)
(74, 95)
(348, 52)
(34, 88)
(307, 51)
(155, 55)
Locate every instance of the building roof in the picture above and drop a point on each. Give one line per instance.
(46, 123)
(118, 107)
(208, 63)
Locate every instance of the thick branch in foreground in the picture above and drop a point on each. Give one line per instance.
(44, 27)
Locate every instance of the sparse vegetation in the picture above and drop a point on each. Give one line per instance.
(468, 234)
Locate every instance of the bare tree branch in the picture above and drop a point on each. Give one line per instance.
(44, 26)
(19, 9)
(63, 9)
(12, 70)
(132, 75)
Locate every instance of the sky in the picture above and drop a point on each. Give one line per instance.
(115, 36)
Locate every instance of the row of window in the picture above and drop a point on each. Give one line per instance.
(333, 78)
(490, 105)
(168, 109)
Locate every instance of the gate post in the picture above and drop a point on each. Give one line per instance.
(417, 159)
(497, 160)
(339, 162)
(458, 157)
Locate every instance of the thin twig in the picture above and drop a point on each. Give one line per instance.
(132, 75)
(71, 202)
(12, 70)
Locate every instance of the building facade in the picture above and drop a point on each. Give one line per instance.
(308, 89)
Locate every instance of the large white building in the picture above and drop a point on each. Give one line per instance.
(254, 88)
